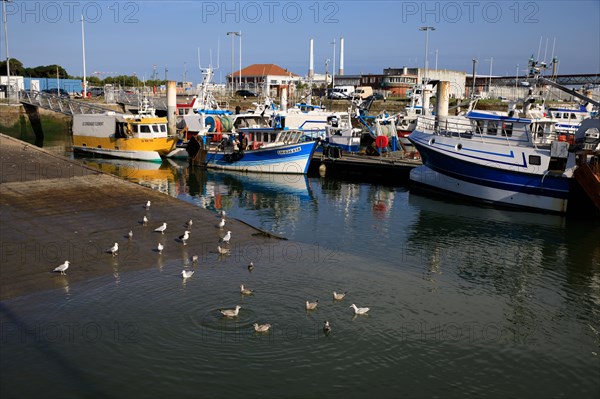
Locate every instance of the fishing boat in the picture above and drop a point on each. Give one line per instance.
(262, 150)
(495, 159)
(142, 136)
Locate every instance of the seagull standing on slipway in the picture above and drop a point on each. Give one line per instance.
(184, 237)
(261, 327)
(222, 223)
(148, 205)
(160, 248)
(62, 268)
(223, 251)
(312, 305)
(189, 223)
(114, 250)
(222, 213)
(162, 228)
(145, 221)
(195, 259)
(187, 273)
(227, 237)
(358, 310)
(231, 312)
(130, 234)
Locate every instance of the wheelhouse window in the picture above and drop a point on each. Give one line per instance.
(507, 129)
(535, 160)
(163, 128)
(144, 129)
(492, 128)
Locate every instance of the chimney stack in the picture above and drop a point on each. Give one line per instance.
(341, 56)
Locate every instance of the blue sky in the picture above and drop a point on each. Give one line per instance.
(124, 37)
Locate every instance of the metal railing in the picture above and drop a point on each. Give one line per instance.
(64, 105)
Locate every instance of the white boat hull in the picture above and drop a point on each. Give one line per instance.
(152, 156)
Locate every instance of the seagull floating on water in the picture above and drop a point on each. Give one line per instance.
(358, 310)
(187, 273)
(326, 327)
(223, 251)
(312, 305)
(251, 266)
(340, 296)
(195, 259)
(114, 250)
(261, 327)
(145, 221)
(62, 268)
(227, 237)
(162, 228)
(246, 291)
(160, 248)
(148, 205)
(222, 223)
(230, 312)
(184, 237)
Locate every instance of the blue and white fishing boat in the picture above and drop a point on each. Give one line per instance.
(262, 150)
(499, 159)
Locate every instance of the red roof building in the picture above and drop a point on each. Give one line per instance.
(257, 77)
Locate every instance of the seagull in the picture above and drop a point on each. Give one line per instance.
(261, 327)
(246, 291)
(359, 310)
(162, 228)
(195, 259)
(184, 237)
(340, 296)
(130, 234)
(186, 273)
(223, 251)
(227, 237)
(251, 266)
(160, 247)
(145, 221)
(326, 327)
(230, 312)
(312, 305)
(189, 224)
(62, 268)
(148, 205)
(222, 213)
(222, 223)
(114, 250)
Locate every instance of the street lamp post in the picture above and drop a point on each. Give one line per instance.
(6, 47)
(233, 35)
(491, 60)
(426, 29)
(240, 35)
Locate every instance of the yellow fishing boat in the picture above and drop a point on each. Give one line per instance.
(142, 136)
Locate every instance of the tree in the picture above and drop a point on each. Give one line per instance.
(16, 68)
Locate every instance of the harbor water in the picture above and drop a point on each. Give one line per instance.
(465, 301)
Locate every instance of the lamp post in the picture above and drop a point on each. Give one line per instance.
(240, 35)
(233, 35)
(6, 46)
(491, 60)
(426, 29)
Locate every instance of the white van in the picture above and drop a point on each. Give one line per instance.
(342, 92)
(363, 92)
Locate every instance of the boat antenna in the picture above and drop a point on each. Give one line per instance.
(218, 52)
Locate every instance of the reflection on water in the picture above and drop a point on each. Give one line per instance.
(465, 300)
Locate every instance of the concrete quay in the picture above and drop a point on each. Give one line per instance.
(54, 209)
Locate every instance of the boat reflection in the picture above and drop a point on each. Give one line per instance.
(159, 176)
